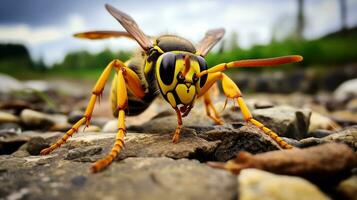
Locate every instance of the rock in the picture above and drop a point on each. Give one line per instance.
(286, 121)
(166, 122)
(149, 145)
(36, 144)
(110, 126)
(344, 118)
(245, 138)
(318, 121)
(255, 184)
(348, 188)
(347, 136)
(74, 116)
(8, 118)
(320, 133)
(83, 151)
(310, 163)
(36, 119)
(352, 105)
(90, 128)
(12, 127)
(132, 178)
(37, 85)
(9, 84)
(347, 90)
(16, 105)
(11, 144)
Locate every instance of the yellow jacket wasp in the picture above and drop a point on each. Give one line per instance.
(171, 66)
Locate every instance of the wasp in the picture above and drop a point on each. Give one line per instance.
(172, 67)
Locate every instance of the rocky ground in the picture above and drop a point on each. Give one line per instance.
(231, 161)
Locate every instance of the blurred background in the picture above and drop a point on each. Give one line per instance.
(37, 50)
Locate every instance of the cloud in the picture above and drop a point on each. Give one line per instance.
(28, 35)
(35, 36)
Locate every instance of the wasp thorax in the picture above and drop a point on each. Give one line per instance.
(176, 75)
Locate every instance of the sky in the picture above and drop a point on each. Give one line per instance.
(46, 26)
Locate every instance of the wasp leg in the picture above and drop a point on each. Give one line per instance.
(176, 137)
(252, 63)
(125, 77)
(96, 92)
(231, 90)
(210, 109)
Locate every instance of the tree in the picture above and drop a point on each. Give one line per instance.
(300, 22)
(343, 14)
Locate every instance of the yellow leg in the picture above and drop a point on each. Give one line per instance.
(231, 90)
(210, 109)
(252, 63)
(124, 75)
(176, 137)
(97, 91)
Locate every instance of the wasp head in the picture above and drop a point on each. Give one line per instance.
(176, 73)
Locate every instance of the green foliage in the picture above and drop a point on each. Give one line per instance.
(85, 60)
(335, 49)
(14, 58)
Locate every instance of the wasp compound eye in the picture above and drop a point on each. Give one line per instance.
(167, 68)
(203, 66)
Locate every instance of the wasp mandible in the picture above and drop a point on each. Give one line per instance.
(172, 67)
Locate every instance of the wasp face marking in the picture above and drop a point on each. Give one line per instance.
(176, 74)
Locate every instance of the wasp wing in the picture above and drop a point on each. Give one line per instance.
(211, 38)
(97, 35)
(130, 25)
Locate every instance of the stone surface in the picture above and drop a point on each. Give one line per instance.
(347, 136)
(348, 188)
(321, 164)
(319, 121)
(255, 184)
(346, 90)
(149, 145)
(132, 178)
(36, 119)
(8, 118)
(82, 152)
(36, 144)
(286, 121)
(245, 137)
(9, 84)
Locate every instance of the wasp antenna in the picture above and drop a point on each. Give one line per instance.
(187, 64)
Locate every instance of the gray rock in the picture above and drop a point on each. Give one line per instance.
(36, 144)
(11, 144)
(37, 85)
(348, 188)
(254, 184)
(83, 152)
(36, 119)
(9, 84)
(246, 138)
(286, 121)
(132, 178)
(347, 90)
(8, 118)
(348, 136)
(110, 126)
(149, 145)
(14, 127)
